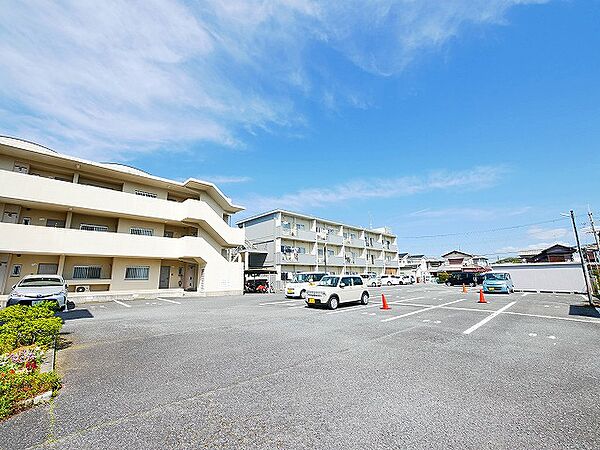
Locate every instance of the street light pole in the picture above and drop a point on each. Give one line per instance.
(596, 237)
(583, 265)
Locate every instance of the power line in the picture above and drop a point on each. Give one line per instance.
(493, 230)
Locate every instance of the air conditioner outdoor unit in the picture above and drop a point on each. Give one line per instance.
(82, 288)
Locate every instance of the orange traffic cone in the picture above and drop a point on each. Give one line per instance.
(464, 288)
(481, 297)
(384, 301)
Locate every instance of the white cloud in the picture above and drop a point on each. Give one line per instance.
(469, 213)
(113, 77)
(547, 234)
(364, 189)
(224, 179)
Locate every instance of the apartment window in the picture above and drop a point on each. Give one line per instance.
(330, 253)
(86, 272)
(137, 273)
(301, 250)
(54, 223)
(141, 231)
(320, 252)
(26, 220)
(285, 225)
(145, 193)
(47, 269)
(300, 226)
(16, 270)
(92, 227)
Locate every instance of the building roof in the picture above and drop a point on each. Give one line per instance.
(309, 217)
(457, 251)
(45, 154)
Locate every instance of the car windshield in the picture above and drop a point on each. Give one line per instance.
(306, 277)
(329, 281)
(495, 276)
(39, 282)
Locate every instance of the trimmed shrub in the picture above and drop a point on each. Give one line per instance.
(22, 326)
(443, 277)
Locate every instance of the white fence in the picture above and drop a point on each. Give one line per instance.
(555, 277)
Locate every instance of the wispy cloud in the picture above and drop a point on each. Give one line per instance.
(545, 234)
(115, 77)
(225, 179)
(476, 178)
(469, 213)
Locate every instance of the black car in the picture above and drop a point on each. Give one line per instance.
(466, 278)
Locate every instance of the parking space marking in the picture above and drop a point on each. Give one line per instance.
(488, 318)
(122, 304)
(573, 319)
(280, 302)
(429, 308)
(167, 300)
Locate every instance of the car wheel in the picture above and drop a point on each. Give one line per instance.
(333, 302)
(473, 284)
(303, 294)
(447, 283)
(364, 299)
(389, 283)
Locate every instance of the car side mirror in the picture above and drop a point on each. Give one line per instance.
(14, 286)
(342, 285)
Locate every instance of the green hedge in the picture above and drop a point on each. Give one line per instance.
(19, 386)
(22, 325)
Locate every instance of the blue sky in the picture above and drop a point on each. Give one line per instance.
(428, 117)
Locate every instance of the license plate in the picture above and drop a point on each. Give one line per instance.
(290, 291)
(312, 300)
(491, 289)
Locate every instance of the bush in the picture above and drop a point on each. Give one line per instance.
(443, 277)
(19, 386)
(22, 326)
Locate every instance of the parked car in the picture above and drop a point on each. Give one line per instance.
(371, 279)
(301, 283)
(34, 289)
(407, 279)
(498, 282)
(389, 280)
(460, 278)
(335, 289)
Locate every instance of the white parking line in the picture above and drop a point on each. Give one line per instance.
(572, 319)
(280, 302)
(167, 300)
(122, 304)
(525, 294)
(421, 310)
(338, 311)
(488, 318)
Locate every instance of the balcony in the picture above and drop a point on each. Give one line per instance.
(18, 238)
(377, 245)
(19, 187)
(335, 261)
(295, 258)
(301, 235)
(335, 239)
(378, 263)
(354, 242)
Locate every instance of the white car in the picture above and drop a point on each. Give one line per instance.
(389, 280)
(34, 289)
(335, 289)
(301, 283)
(370, 279)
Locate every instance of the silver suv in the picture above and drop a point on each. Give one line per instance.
(335, 289)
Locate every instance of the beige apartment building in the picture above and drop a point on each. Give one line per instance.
(293, 242)
(110, 227)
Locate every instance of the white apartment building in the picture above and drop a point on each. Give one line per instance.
(110, 227)
(297, 243)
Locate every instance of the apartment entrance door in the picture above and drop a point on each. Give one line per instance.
(165, 274)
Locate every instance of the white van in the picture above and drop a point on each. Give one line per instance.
(301, 282)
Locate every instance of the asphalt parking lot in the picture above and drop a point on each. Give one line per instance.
(438, 370)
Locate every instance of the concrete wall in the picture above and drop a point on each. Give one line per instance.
(72, 261)
(125, 225)
(110, 222)
(119, 283)
(559, 277)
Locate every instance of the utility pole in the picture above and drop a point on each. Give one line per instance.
(596, 237)
(583, 265)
